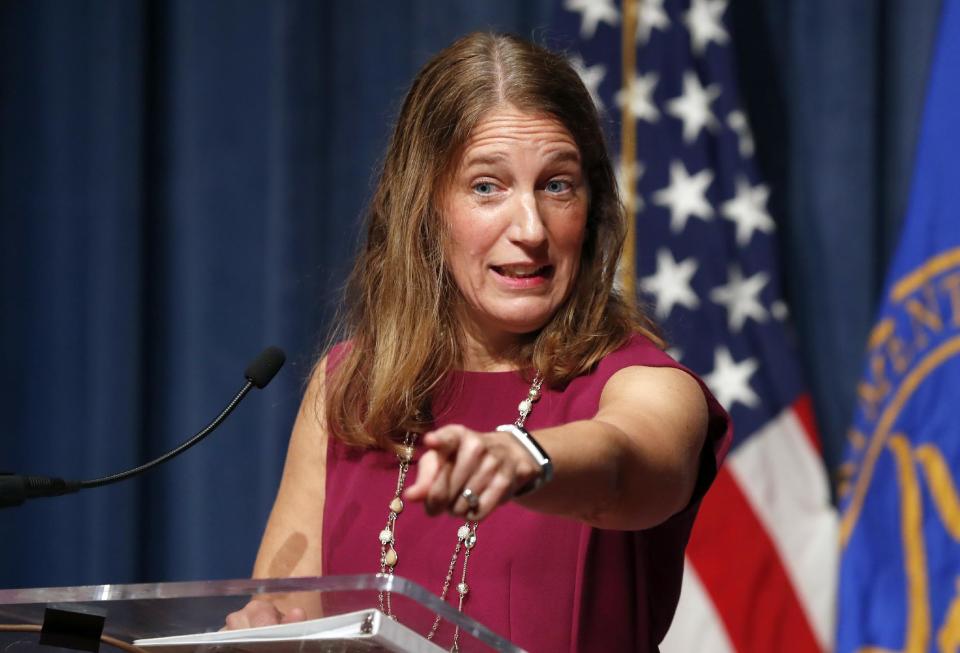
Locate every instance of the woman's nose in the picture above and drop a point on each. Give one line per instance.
(527, 226)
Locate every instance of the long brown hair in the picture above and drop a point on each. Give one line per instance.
(399, 314)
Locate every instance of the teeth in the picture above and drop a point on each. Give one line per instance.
(520, 271)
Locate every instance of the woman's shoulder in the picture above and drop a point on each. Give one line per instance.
(638, 349)
(337, 351)
(334, 356)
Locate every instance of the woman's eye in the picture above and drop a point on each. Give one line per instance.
(484, 188)
(558, 186)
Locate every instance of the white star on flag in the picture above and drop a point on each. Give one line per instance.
(651, 16)
(591, 76)
(730, 381)
(639, 97)
(779, 310)
(693, 106)
(686, 195)
(748, 210)
(704, 19)
(737, 121)
(671, 283)
(593, 12)
(741, 297)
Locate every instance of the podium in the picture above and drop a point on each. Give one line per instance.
(64, 619)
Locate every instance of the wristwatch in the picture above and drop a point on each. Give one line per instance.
(536, 451)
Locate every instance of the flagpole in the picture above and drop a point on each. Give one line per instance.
(627, 272)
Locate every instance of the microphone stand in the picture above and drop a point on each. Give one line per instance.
(15, 488)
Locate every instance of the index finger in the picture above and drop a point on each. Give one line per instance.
(427, 471)
(445, 439)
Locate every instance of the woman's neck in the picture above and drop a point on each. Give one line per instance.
(483, 352)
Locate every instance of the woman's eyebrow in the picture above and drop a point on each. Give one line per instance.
(484, 158)
(492, 158)
(561, 156)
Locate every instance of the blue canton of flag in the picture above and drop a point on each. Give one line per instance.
(900, 528)
(761, 562)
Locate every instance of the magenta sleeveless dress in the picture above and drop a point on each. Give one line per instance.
(545, 583)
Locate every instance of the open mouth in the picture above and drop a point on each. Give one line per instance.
(523, 271)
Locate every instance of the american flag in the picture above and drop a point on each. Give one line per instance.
(761, 565)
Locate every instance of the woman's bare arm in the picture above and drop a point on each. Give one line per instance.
(632, 466)
(292, 542)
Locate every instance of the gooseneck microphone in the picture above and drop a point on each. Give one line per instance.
(15, 489)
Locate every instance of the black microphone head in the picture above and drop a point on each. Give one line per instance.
(263, 368)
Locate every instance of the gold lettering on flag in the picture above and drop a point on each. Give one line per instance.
(901, 353)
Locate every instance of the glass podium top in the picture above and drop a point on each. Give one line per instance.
(135, 612)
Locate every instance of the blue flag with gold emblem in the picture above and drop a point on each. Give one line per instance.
(900, 529)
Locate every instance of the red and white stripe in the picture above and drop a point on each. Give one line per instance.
(761, 563)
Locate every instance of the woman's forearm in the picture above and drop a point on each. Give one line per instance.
(606, 478)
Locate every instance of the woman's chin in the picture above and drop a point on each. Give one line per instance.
(520, 326)
(509, 321)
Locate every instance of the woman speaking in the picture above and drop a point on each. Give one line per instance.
(497, 424)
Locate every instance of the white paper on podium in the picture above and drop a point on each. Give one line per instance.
(363, 630)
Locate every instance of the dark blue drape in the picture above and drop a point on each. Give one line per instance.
(181, 184)
(834, 92)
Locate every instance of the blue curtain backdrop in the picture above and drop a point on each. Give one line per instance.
(181, 184)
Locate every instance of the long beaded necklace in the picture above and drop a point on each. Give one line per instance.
(466, 533)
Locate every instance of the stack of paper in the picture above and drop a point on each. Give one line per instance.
(364, 630)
